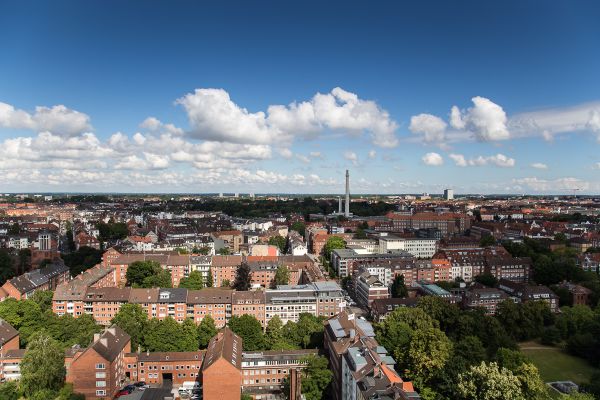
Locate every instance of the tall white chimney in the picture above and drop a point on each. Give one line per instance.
(339, 205)
(347, 210)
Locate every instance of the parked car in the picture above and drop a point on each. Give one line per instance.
(123, 393)
(140, 384)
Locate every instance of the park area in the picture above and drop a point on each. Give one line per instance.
(555, 364)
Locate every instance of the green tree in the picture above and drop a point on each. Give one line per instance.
(209, 280)
(226, 283)
(43, 365)
(10, 391)
(242, 278)
(299, 227)
(428, 351)
(161, 279)
(132, 319)
(334, 242)
(140, 270)
(309, 330)
(510, 359)
(489, 382)
(206, 331)
(250, 330)
(202, 250)
(112, 231)
(278, 241)
(532, 385)
(43, 298)
(274, 334)
(315, 377)
(165, 335)
(487, 240)
(190, 337)
(194, 281)
(224, 251)
(487, 279)
(470, 349)
(82, 259)
(399, 289)
(7, 269)
(282, 276)
(14, 229)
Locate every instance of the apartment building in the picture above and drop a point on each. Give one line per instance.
(210, 301)
(158, 368)
(69, 296)
(361, 368)
(9, 348)
(482, 297)
(264, 372)
(366, 288)
(224, 268)
(46, 278)
(448, 224)
(288, 302)
(344, 260)
(231, 239)
(417, 247)
(522, 292)
(98, 371)
(251, 303)
(178, 265)
(262, 273)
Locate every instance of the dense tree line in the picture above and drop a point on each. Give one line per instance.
(112, 231)
(35, 315)
(81, 260)
(453, 354)
(258, 208)
(552, 267)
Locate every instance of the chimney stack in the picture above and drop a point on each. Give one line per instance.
(347, 210)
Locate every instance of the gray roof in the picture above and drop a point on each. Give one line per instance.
(172, 295)
(31, 280)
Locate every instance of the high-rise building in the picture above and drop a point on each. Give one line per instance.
(448, 194)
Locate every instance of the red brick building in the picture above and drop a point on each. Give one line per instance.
(224, 268)
(160, 368)
(99, 370)
(222, 367)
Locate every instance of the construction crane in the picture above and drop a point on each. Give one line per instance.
(575, 192)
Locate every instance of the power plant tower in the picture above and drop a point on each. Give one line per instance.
(339, 205)
(347, 209)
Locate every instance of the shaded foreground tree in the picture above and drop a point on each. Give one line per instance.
(242, 278)
(43, 366)
(315, 377)
(250, 330)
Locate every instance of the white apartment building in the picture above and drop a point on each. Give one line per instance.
(418, 247)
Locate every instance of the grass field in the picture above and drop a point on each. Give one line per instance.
(556, 365)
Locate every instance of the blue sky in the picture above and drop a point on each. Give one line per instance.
(482, 97)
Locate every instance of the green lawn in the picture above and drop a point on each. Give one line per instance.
(556, 365)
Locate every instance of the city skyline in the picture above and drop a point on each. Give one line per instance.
(200, 98)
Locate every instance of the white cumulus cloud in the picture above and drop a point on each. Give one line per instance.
(499, 160)
(214, 116)
(539, 166)
(433, 159)
(58, 120)
(431, 127)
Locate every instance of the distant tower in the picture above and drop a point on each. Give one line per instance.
(339, 205)
(347, 210)
(448, 194)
